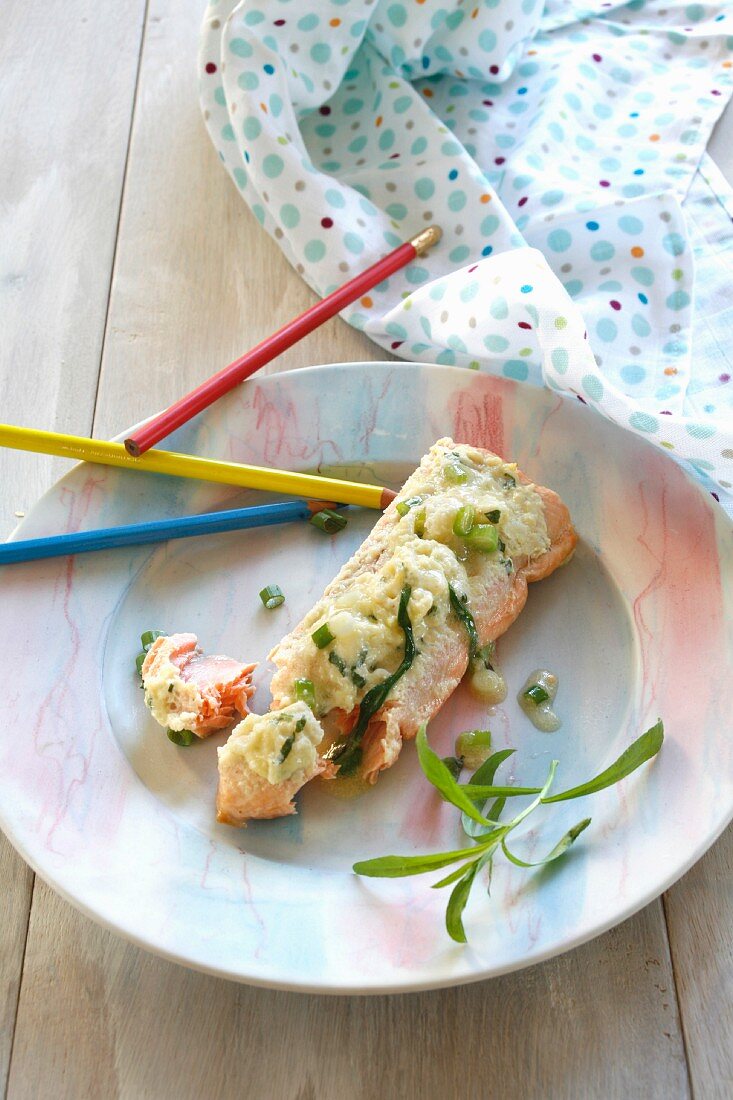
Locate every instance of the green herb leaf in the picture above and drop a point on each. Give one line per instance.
(559, 850)
(438, 774)
(347, 753)
(453, 875)
(149, 636)
(456, 905)
(485, 775)
(403, 866)
(287, 746)
(339, 662)
(494, 515)
(476, 790)
(461, 610)
(641, 750)
(454, 764)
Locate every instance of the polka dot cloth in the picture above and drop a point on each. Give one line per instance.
(562, 150)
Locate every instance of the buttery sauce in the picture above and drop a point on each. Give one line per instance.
(541, 682)
(488, 683)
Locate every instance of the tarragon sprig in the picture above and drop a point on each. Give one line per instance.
(482, 825)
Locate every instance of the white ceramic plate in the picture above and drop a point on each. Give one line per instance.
(121, 822)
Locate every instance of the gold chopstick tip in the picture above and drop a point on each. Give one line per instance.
(426, 239)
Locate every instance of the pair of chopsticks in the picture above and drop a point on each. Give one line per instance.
(136, 453)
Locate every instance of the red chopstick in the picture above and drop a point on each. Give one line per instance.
(208, 392)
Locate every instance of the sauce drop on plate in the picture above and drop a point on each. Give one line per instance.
(540, 712)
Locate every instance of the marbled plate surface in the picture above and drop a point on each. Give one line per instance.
(121, 822)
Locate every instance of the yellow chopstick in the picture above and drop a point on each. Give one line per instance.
(201, 469)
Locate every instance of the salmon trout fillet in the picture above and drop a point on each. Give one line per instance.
(464, 537)
(186, 689)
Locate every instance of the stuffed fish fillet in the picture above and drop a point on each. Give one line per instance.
(443, 573)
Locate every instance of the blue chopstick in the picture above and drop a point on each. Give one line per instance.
(137, 534)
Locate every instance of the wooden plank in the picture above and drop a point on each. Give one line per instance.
(700, 919)
(60, 185)
(17, 889)
(699, 909)
(195, 282)
(599, 1022)
(68, 83)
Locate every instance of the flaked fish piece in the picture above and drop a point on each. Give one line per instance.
(266, 761)
(187, 689)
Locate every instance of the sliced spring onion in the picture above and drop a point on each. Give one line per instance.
(536, 694)
(305, 692)
(404, 506)
(494, 515)
(148, 637)
(483, 537)
(454, 470)
(139, 662)
(323, 636)
(509, 482)
(420, 523)
(468, 742)
(184, 738)
(272, 596)
(357, 679)
(464, 519)
(329, 521)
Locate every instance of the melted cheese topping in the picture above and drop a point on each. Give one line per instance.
(275, 745)
(424, 553)
(172, 701)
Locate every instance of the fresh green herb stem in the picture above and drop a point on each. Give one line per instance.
(485, 829)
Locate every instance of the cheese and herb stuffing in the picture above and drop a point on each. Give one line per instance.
(276, 745)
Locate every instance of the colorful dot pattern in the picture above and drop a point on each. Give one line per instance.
(559, 154)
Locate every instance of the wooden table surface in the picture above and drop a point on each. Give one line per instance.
(129, 269)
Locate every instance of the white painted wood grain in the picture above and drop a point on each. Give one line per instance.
(67, 79)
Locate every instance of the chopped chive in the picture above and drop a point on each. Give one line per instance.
(148, 637)
(357, 679)
(420, 523)
(272, 596)
(305, 692)
(404, 506)
(494, 515)
(323, 636)
(537, 694)
(286, 747)
(329, 521)
(184, 738)
(339, 662)
(509, 482)
(464, 518)
(483, 537)
(454, 471)
(139, 662)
